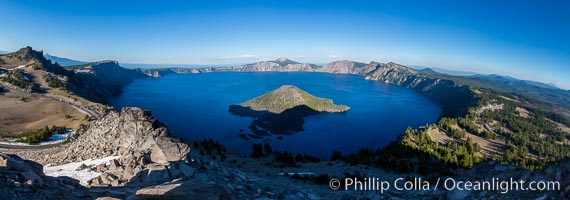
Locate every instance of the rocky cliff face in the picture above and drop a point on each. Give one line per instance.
(348, 67)
(112, 74)
(286, 65)
(270, 66)
(101, 80)
(453, 98)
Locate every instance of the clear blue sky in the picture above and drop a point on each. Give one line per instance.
(525, 39)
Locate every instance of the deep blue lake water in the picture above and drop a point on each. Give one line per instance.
(195, 107)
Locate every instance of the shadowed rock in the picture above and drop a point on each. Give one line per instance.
(266, 123)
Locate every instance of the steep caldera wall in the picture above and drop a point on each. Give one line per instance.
(453, 98)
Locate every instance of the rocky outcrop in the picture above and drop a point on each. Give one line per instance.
(27, 53)
(147, 153)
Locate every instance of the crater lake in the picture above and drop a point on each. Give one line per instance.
(195, 107)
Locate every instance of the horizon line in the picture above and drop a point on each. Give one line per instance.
(413, 66)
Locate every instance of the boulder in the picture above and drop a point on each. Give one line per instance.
(168, 149)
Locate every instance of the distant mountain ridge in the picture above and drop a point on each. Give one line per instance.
(511, 80)
(443, 70)
(63, 61)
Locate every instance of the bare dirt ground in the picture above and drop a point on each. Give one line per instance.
(563, 128)
(560, 126)
(491, 148)
(21, 112)
(13, 62)
(439, 136)
(37, 75)
(524, 113)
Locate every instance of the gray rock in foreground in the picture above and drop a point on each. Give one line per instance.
(147, 153)
(24, 179)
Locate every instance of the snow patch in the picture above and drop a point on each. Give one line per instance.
(82, 175)
(56, 138)
(18, 67)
